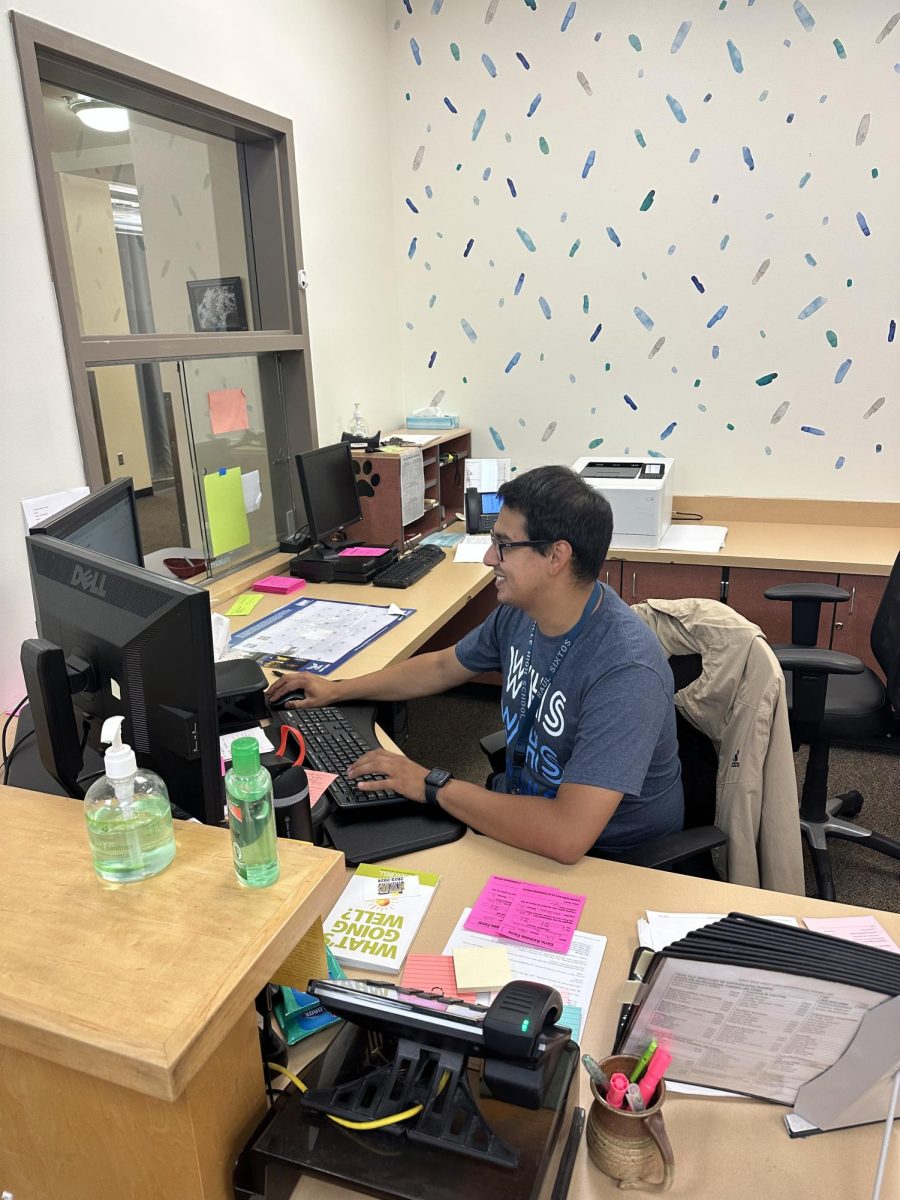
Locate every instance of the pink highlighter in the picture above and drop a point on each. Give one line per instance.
(615, 1093)
(658, 1065)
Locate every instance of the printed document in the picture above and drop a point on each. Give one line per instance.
(486, 474)
(412, 486)
(472, 548)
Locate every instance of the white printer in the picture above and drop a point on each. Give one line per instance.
(639, 490)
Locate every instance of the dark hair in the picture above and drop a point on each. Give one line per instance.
(557, 506)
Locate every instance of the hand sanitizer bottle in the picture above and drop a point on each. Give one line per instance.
(358, 425)
(251, 815)
(128, 816)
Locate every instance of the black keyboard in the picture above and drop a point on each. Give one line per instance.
(333, 742)
(405, 571)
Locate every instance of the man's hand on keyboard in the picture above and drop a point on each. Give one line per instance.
(319, 690)
(400, 773)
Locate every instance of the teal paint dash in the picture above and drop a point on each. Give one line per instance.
(498, 440)
(545, 307)
(468, 330)
(849, 283)
(696, 383)
(454, 50)
(648, 200)
(526, 240)
(701, 408)
(594, 443)
(574, 250)
(839, 47)
(586, 304)
(653, 453)
(677, 111)
(804, 179)
(831, 337)
(431, 301)
(634, 41)
(725, 240)
(668, 431)
(809, 258)
(874, 172)
(735, 55)
(843, 369)
(765, 380)
(640, 139)
(542, 143)
(479, 121)
(729, 426)
(607, 366)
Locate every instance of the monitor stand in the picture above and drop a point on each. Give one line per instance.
(325, 564)
(293, 1141)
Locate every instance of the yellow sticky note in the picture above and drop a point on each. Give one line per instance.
(307, 961)
(481, 969)
(228, 526)
(244, 604)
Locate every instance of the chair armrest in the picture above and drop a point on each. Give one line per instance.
(814, 661)
(494, 747)
(674, 848)
(825, 593)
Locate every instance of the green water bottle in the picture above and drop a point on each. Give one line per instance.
(251, 815)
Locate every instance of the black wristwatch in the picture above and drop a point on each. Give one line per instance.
(434, 781)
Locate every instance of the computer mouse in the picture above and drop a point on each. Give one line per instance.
(282, 700)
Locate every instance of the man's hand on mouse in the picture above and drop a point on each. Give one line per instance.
(318, 690)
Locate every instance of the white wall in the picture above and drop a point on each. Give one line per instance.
(322, 65)
(600, 76)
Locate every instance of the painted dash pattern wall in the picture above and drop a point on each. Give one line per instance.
(655, 228)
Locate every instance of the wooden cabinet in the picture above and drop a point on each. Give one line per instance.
(746, 593)
(853, 620)
(611, 574)
(378, 484)
(669, 581)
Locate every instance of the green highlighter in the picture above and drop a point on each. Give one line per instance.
(643, 1062)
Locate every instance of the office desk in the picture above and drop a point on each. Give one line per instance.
(724, 1149)
(129, 1056)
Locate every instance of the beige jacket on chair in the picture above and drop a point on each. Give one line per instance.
(739, 703)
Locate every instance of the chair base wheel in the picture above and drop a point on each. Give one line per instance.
(850, 805)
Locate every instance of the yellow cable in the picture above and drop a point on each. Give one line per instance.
(379, 1124)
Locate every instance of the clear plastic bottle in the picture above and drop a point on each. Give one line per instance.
(251, 815)
(359, 427)
(129, 820)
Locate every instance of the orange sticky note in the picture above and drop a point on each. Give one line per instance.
(228, 410)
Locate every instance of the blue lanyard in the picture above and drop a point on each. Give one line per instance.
(515, 754)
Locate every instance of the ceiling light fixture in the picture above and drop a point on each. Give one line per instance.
(98, 114)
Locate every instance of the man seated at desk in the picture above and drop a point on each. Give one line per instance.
(592, 756)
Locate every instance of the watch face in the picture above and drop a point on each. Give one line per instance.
(438, 776)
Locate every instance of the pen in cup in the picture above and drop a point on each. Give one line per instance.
(618, 1086)
(643, 1062)
(658, 1065)
(634, 1099)
(597, 1075)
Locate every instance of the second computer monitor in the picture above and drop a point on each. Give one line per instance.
(105, 521)
(328, 485)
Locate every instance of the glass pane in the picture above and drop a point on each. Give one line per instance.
(155, 219)
(168, 425)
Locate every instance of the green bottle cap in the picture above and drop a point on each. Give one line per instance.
(245, 756)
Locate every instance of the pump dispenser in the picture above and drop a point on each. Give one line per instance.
(128, 816)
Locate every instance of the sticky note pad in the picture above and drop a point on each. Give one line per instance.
(281, 584)
(224, 495)
(481, 968)
(243, 605)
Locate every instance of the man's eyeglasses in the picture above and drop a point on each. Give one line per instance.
(502, 547)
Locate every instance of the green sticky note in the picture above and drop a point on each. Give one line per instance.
(228, 527)
(244, 604)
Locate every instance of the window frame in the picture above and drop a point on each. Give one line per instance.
(267, 168)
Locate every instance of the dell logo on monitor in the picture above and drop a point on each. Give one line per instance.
(89, 581)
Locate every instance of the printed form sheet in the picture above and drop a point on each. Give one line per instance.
(323, 633)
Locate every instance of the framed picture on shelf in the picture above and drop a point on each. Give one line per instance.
(217, 305)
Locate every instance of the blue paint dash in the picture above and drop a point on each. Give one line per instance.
(512, 362)
(469, 244)
(450, 104)
(861, 222)
(735, 55)
(570, 13)
(725, 240)
(839, 462)
(596, 333)
(429, 193)
(813, 306)
(411, 205)
(748, 157)
(532, 107)
(523, 60)
(789, 119)
(646, 321)
(414, 46)
(431, 300)
(634, 42)
(677, 110)
(512, 187)
(489, 65)
(892, 329)
(588, 163)
(839, 47)
(717, 316)
(695, 154)
(574, 248)
(813, 430)
(804, 16)
(668, 431)
(526, 240)
(486, 174)
(804, 180)
(765, 380)
(715, 351)
(545, 307)
(468, 330)
(519, 283)
(412, 248)
(479, 121)
(630, 403)
(697, 284)
(639, 137)
(431, 360)
(683, 30)
(843, 369)
(613, 236)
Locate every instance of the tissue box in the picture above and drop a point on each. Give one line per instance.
(448, 421)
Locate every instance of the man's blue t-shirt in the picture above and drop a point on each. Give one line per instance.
(606, 720)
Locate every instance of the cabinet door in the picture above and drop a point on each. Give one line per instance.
(746, 594)
(853, 621)
(669, 581)
(611, 574)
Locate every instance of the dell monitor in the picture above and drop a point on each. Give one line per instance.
(329, 492)
(105, 521)
(115, 638)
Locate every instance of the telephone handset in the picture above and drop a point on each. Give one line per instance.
(482, 509)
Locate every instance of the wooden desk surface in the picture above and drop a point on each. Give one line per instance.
(723, 1148)
(135, 983)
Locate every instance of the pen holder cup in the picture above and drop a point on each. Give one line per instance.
(629, 1146)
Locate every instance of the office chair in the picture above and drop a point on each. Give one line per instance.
(833, 696)
(687, 851)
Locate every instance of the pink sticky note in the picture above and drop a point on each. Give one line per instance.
(434, 973)
(228, 410)
(492, 905)
(318, 782)
(363, 552)
(281, 584)
(543, 917)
